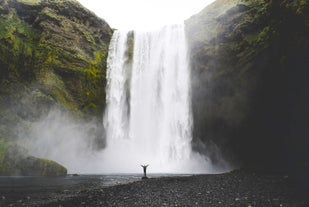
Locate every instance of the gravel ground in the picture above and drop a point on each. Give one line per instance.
(238, 188)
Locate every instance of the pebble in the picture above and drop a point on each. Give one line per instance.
(276, 202)
(180, 191)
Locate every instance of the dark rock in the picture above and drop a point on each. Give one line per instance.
(192, 191)
(249, 82)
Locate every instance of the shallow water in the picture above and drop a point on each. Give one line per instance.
(38, 191)
(19, 182)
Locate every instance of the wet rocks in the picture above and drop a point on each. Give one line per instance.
(231, 189)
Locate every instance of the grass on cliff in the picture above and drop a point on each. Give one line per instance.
(16, 33)
(30, 2)
(17, 48)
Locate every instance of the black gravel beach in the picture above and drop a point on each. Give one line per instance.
(238, 188)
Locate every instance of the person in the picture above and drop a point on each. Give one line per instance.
(144, 168)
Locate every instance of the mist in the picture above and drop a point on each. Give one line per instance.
(60, 137)
(73, 143)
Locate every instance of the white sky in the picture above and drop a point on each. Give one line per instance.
(144, 14)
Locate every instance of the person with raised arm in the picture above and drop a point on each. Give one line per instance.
(144, 168)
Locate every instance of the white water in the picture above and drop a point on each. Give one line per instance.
(148, 117)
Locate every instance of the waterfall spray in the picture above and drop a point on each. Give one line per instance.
(148, 117)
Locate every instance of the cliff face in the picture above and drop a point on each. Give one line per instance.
(249, 81)
(52, 54)
(59, 45)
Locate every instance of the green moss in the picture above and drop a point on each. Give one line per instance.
(3, 148)
(61, 52)
(63, 99)
(69, 62)
(297, 6)
(49, 167)
(55, 57)
(91, 108)
(252, 2)
(18, 45)
(244, 38)
(94, 83)
(30, 2)
(95, 69)
(6, 149)
(88, 37)
(243, 48)
(11, 27)
(15, 161)
(264, 35)
(51, 14)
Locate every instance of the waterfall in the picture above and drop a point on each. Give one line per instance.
(148, 117)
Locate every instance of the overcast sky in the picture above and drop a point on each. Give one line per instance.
(144, 14)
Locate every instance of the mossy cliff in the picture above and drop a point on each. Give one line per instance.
(57, 45)
(52, 54)
(250, 81)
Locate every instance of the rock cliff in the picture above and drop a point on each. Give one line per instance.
(52, 55)
(249, 81)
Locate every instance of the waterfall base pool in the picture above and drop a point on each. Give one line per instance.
(104, 180)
